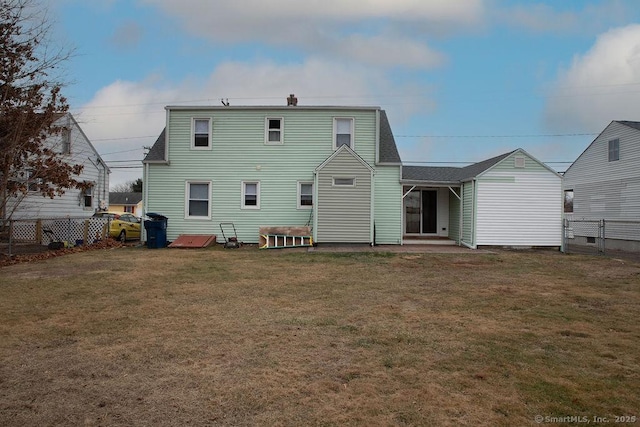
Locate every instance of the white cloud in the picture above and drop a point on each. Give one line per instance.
(592, 18)
(126, 109)
(331, 27)
(599, 86)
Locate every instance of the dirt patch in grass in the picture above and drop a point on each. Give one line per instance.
(248, 337)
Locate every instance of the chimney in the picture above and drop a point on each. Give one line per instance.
(292, 101)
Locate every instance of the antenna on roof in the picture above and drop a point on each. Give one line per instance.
(225, 101)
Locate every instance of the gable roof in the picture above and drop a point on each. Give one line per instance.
(635, 125)
(388, 151)
(348, 150)
(452, 175)
(124, 198)
(156, 154)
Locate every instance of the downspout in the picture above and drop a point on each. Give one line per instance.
(372, 218)
(316, 206)
(460, 209)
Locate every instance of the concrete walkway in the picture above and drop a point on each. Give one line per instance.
(413, 248)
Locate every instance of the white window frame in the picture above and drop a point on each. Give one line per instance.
(352, 145)
(187, 199)
(267, 129)
(300, 205)
(334, 184)
(193, 133)
(243, 200)
(87, 195)
(615, 143)
(568, 201)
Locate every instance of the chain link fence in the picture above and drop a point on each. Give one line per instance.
(29, 234)
(600, 236)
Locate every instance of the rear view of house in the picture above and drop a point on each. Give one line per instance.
(334, 169)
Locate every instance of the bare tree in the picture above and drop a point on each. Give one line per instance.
(31, 105)
(128, 187)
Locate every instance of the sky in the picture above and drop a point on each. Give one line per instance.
(461, 81)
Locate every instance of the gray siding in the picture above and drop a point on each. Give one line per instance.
(344, 213)
(70, 203)
(604, 189)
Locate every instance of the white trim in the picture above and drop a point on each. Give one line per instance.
(266, 131)
(187, 194)
(193, 133)
(352, 144)
(243, 189)
(305, 207)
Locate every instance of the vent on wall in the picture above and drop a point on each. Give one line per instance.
(519, 161)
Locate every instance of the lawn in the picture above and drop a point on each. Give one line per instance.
(135, 337)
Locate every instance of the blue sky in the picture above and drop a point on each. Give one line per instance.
(461, 80)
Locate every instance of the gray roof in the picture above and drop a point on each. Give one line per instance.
(388, 149)
(157, 150)
(446, 174)
(635, 125)
(124, 198)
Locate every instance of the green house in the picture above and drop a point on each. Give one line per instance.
(334, 169)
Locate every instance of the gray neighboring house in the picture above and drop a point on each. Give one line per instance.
(74, 147)
(604, 182)
(511, 200)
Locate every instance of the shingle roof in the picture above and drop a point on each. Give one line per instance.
(388, 149)
(157, 150)
(446, 174)
(635, 125)
(125, 198)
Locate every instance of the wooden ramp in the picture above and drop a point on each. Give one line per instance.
(193, 241)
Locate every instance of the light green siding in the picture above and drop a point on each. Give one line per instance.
(344, 212)
(508, 164)
(388, 205)
(239, 154)
(467, 212)
(454, 217)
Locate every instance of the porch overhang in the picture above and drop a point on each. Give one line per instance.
(432, 184)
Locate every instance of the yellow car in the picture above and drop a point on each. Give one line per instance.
(122, 226)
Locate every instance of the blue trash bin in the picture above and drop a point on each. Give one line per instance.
(156, 228)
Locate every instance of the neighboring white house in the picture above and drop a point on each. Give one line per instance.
(603, 183)
(74, 146)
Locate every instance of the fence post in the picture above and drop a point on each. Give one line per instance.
(86, 232)
(10, 236)
(602, 235)
(39, 231)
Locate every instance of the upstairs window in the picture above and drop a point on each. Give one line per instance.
(250, 195)
(274, 131)
(342, 132)
(201, 134)
(305, 195)
(65, 143)
(614, 150)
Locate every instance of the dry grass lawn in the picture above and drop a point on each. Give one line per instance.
(137, 337)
